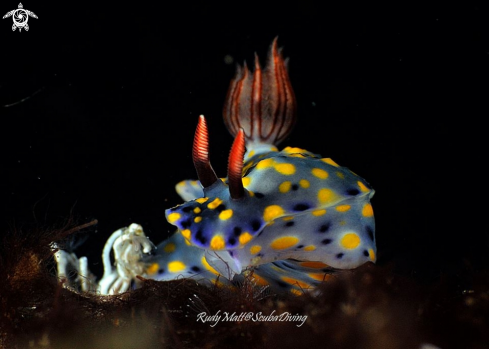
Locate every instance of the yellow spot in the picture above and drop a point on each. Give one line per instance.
(186, 233)
(212, 205)
(310, 248)
(246, 181)
(294, 150)
(255, 249)
(285, 169)
(296, 292)
(340, 174)
(271, 212)
(172, 217)
(350, 241)
(187, 242)
(284, 186)
(245, 238)
(259, 280)
(297, 155)
(201, 200)
(304, 183)
(217, 243)
(287, 218)
(319, 173)
(293, 281)
(367, 210)
(169, 248)
(197, 219)
(256, 260)
(316, 265)
(326, 196)
(343, 208)
(226, 214)
(320, 276)
(251, 193)
(371, 254)
(284, 242)
(362, 186)
(330, 161)
(218, 283)
(208, 266)
(318, 213)
(342, 222)
(197, 210)
(277, 269)
(175, 266)
(264, 164)
(251, 153)
(153, 268)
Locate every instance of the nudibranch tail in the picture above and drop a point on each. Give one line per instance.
(263, 103)
(200, 154)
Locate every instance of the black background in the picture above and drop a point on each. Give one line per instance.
(398, 94)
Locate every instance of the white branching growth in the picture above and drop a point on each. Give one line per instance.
(72, 272)
(128, 246)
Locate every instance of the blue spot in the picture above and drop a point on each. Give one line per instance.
(353, 191)
(324, 228)
(301, 207)
(255, 225)
(370, 232)
(220, 208)
(199, 236)
(237, 231)
(186, 223)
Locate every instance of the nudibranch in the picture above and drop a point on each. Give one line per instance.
(289, 218)
(290, 205)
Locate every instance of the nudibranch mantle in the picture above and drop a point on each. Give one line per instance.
(293, 199)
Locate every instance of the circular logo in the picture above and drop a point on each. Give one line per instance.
(20, 17)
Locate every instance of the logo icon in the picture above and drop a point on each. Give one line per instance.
(20, 17)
